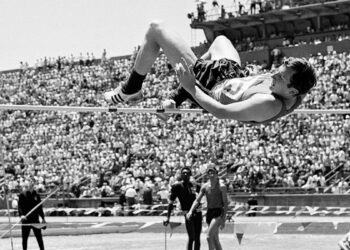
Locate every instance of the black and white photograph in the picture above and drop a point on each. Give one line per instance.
(175, 124)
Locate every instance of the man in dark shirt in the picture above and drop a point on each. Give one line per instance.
(122, 199)
(252, 202)
(147, 195)
(185, 191)
(29, 199)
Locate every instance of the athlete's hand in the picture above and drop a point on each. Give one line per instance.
(188, 216)
(166, 222)
(23, 218)
(185, 74)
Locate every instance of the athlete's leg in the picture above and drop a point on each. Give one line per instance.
(174, 47)
(217, 241)
(159, 37)
(213, 230)
(222, 48)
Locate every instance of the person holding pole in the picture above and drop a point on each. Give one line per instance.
(28, 200)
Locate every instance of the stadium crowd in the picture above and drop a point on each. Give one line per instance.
(214, 10)
(207, 11)
(138, 154)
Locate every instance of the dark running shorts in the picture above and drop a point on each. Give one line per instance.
(209, 72)
(213, 213)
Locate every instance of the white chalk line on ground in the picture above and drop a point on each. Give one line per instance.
(100, 225)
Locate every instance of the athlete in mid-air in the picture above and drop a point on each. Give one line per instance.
(217, 82)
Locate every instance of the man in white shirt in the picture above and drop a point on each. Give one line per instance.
(163, 193)
(130, 196)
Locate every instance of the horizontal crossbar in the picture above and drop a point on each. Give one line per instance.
(145, 110)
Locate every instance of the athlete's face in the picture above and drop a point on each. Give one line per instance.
(281, 81)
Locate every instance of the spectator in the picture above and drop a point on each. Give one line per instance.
(252, 7)
(252, 203)
(240, 8)
(201, 11)
(342, 185)
(106, 190)
(223, 12)
(130, 196)
(163, 194)
(147, 195)
(321, 182)
(104, 56)
(122, 199)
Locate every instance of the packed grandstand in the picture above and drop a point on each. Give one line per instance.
(139, 153)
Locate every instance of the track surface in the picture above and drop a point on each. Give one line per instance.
(156, 241)
(319, 233)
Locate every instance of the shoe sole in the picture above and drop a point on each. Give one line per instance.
(137, 99)
(119, 100)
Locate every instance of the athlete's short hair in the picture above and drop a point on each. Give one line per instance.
(304, 77)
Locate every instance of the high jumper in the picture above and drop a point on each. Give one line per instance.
(217, 82)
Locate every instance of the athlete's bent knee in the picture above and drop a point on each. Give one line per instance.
(222, 38)
(156, 25)
(155, 29)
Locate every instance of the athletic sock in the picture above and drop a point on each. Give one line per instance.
(134, 83)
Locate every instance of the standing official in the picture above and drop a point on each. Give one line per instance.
(28, 200)
(185, 191)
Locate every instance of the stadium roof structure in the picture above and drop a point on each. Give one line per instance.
(274, 17)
